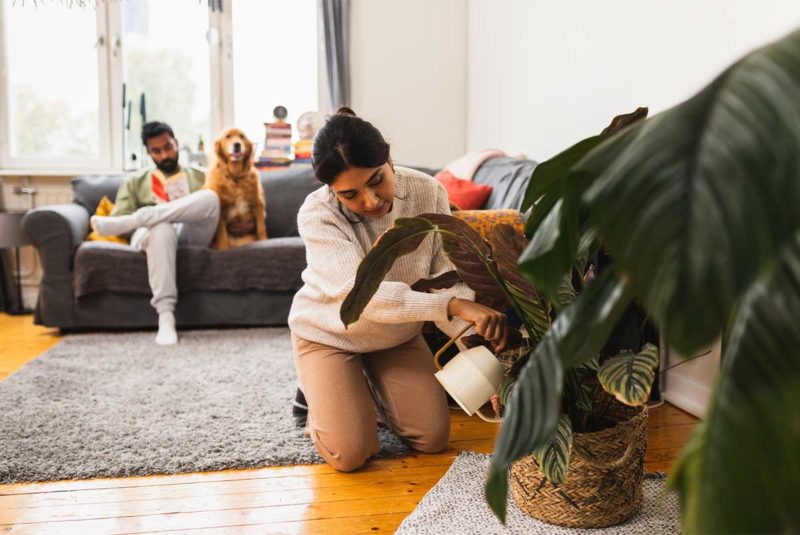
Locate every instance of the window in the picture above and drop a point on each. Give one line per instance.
(275, 61)
(76, 82)
(52, 85)
(165, 71)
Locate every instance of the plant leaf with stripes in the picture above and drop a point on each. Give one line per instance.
(553, 459)
(629, 376)
(471, 257)
(507, 245)
(404, 237)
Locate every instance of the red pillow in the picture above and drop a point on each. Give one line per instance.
(463, 193)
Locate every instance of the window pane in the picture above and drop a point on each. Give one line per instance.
(52, 81)
(166, 58)
(275, 61)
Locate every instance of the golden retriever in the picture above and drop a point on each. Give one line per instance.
(233, 177)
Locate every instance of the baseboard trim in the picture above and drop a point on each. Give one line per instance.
(687, 394)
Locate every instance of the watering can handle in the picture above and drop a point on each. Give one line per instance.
(448, 344)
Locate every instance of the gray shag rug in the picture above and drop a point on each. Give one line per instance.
(109, 405)
(456, 505)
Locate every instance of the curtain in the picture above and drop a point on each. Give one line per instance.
(335, 17)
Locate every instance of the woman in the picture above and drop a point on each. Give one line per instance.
(380, 365)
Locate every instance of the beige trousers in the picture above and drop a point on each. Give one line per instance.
(346, 392)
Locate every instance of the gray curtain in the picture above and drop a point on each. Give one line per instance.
(335, 17)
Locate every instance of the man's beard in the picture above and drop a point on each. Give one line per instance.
(168, 166)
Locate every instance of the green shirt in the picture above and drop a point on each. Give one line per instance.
(137, 191)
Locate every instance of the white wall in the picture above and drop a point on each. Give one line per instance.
(543, 75)
(408, 72)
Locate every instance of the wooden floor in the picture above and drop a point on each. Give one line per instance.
(296, 499)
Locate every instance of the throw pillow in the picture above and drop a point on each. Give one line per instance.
(104, 208)
(465, 194)
(484, 220)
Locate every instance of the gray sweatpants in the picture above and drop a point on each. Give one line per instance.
(190, 220)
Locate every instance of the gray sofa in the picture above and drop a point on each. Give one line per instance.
(104, 285)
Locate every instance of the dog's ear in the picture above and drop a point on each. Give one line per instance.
(248, 148)
(221, 156)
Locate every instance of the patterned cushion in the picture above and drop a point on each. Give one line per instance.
(484, 220)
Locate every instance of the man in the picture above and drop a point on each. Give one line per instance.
(163, 208)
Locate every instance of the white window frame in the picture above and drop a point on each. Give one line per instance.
(110, 79)
(103, 161)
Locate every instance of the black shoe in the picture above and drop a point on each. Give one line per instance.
(300, 408)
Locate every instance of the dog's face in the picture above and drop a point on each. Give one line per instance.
(233, 146)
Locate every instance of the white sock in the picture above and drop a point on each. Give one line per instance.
(115, 225)
(166, 329)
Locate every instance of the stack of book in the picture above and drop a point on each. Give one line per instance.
(302, 151)
(277, 151)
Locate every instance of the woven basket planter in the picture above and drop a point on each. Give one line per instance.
(603, 484)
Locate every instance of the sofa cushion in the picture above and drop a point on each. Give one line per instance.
(464, 193)
(508, 178)
(270, 265)
(284, 193)
(88, 190)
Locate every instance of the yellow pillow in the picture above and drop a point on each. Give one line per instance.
(103, 209)
(484, 220)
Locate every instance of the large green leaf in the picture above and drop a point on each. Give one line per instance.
(562, 236)
(553, 459)
(704, 195)
(629, 376)
(741, 471)
(547, 180)
(530, 419)
(403, 238)
(583, 327)
(552, 249)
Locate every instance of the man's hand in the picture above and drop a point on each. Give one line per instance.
(489, 323)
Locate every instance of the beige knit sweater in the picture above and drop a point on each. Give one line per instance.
(334, 249)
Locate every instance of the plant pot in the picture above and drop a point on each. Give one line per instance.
(603, 484)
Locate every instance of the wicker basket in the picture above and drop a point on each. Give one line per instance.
(603, 484)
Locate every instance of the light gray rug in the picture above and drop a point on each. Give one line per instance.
(456, 505)
(118, 405)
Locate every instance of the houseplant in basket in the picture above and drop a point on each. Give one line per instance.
(700, 208)
(606, 438)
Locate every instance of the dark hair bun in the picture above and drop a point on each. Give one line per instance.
(344, 110)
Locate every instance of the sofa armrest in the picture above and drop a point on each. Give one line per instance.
(56, 231)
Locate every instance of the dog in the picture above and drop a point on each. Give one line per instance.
(233, 177)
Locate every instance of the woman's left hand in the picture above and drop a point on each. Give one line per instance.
(489, 323)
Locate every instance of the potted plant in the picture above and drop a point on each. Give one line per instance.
(601, 431)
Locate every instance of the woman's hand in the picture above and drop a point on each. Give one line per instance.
(489, 323)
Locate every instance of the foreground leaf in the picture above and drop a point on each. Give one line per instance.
(530, 418)
(702, 200)
(553, 459)
(740, 472)
(548, 178)
(629, 376)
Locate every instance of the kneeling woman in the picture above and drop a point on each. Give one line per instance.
(381, 363)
